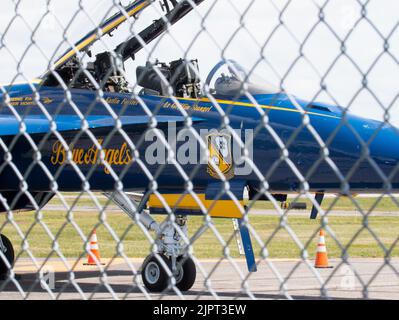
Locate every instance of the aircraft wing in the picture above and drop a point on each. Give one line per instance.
(9, 125)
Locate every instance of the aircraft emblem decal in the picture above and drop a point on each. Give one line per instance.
(220, 154)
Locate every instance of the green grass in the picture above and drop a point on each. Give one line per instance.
(135, 243)
(385, 204)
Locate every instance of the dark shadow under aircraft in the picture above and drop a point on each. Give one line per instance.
(186, 146)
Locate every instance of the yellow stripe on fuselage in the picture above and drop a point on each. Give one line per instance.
(246, 104)
(215, 208)
(104, 30)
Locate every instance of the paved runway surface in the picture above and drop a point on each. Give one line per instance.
(224, 280)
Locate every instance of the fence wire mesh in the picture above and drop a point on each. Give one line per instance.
(158, 158)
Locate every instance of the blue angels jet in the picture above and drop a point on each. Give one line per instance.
(82, 128)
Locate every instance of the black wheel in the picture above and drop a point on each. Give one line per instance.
(186, 273)
(9, 253)
(154, 275)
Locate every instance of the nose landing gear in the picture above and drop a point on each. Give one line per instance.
(185, 273)
(8, 252)
(156, 278)
(156, 275)
(171, 248)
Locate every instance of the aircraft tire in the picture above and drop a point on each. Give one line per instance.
(154, 275)
(187, 274)
(9, 254)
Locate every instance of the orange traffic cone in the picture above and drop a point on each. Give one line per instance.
(95, 252)
(321, 254)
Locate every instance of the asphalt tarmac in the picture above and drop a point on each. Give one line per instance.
(275, 279)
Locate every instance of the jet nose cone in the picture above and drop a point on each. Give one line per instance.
(384, 142)
(384, 151)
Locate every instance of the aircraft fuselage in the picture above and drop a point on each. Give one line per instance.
(282, 124)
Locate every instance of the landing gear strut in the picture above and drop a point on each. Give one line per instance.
(8, 252)
(171, 249)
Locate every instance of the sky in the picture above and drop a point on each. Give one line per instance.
(285, 40)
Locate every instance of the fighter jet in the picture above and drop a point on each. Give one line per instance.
(185, 145)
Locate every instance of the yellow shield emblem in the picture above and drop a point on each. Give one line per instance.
(220, 155)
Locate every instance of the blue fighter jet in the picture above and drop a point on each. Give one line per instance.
(181, 145)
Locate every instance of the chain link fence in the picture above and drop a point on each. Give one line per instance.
(127, 176)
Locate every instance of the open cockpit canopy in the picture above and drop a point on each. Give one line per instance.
(108, 64)
(108, 25)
